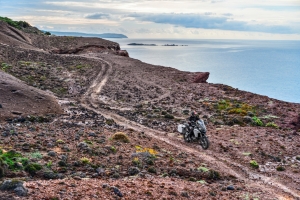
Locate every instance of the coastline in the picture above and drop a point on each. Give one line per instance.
(236, 63)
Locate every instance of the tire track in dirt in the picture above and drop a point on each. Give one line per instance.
(90, 101)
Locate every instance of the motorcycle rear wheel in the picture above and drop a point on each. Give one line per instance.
(204, 142)
(186, 138)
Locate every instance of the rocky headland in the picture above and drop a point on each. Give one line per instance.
(80, 119)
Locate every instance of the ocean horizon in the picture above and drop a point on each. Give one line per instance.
(264, 67)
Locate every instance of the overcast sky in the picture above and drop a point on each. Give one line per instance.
(222, 19)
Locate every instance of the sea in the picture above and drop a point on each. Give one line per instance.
(270, 68)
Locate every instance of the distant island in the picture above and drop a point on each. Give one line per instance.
(168, 45)
(141, 44)
(173, 45)
(77, 34)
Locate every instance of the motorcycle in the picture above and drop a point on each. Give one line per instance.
(197, 132)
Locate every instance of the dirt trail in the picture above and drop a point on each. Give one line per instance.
(91, 99)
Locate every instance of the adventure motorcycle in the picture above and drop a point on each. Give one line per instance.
(194, 132)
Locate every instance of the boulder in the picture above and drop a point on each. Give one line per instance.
(14, 185)
(201, 77)
(133, 171)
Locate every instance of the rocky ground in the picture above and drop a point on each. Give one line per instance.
(111, 128)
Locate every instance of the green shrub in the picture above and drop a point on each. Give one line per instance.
(32, 168)
(254, 164)
(257, 121)
(47, 33)
(223, 104)
(49, 164)
(272, 124)
(10, 158)
(203, 169)
(36, 155)
(5, 67)
(113, 149)
(10, 22)
(85, 160)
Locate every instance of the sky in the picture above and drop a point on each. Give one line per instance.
(182, 19)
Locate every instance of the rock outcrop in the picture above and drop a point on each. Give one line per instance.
(201, 77)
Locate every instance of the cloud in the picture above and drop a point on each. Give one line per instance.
(97, 16)
(210, 21)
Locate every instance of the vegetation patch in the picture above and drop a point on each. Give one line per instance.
(32, 168)
(85, 160)
(272, 124)
(257, 121)
(140, 149)
(203, 169)
(36, 155)
(16, 24)
(120, 136)
(234, 107)
(5, 67)
(254, 164)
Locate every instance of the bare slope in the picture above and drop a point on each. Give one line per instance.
(17, 98)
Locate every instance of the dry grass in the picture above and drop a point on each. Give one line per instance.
(120, 136)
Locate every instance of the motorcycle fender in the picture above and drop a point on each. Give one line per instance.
(196, 133)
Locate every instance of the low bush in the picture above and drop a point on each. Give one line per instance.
(120, 136)
(203, 169)
(254, 164)
(257, 121)
(140, 149)
(272, 124)
(32, 168)
(85, 160)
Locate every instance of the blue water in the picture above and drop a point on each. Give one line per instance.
(270, 68)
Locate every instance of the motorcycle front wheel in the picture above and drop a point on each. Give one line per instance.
(204, 142)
